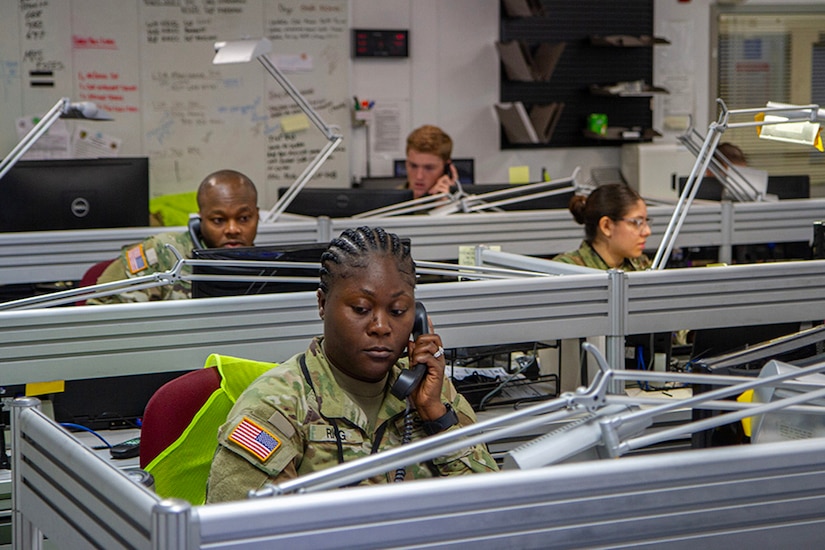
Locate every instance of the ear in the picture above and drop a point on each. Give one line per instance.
(322, 300)
(606, 226)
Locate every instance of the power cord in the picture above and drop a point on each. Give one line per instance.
(106, 444)
(401, 472)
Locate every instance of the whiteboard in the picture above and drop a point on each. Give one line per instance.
(149, 64)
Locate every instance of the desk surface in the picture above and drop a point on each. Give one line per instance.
(112, 436)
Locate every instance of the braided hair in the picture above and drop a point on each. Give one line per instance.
(354, 248)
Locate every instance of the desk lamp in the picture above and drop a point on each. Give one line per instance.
(613, 422)
(64, 108)
(803, 121)
(243, 51)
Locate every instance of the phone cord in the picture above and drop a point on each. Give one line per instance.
(401, 472)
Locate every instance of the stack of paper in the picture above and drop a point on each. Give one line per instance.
(535, 127)
(521, 65)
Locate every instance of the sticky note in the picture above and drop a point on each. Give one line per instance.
(519, 174)
(42, 388)
(294, 123)
(467, 254)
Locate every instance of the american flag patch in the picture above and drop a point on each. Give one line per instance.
(254, 439)
(136, 259)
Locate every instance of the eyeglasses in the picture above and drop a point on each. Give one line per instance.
(638, 222)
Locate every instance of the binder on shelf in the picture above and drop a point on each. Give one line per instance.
(521, 65)
(536, 127)
(523, 8)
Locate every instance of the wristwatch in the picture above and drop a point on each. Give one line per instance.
(448, 419)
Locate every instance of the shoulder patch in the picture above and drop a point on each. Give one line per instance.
(136, 259)
(255, 439)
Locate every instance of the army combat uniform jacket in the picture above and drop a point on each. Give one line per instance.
(284, 426)
(586, 256)
(145, 258)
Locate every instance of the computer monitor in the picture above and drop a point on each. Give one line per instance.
(646, 351)
(302, 252)
(343, 202)
(42, 195)
(465, 167)
(784, 187)
(560, 200)
(110, 402)
(382, 183)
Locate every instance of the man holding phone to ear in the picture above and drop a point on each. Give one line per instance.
(228, 217)
(429, 169)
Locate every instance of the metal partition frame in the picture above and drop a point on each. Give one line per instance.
(48, 256)
(119, 339)
(768, 495)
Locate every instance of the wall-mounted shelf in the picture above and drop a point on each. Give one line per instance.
(627, 89)
(627, 41)
(619, 134)
(605, 42)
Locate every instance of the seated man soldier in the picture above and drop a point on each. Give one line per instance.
(228, 210)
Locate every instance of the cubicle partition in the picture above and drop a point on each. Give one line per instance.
(764, 496)
(48, 256)
(120, 339)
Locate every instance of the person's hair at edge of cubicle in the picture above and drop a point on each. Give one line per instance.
(733, 153)
(612, 200)
(429, 170)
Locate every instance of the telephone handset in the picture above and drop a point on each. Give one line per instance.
(194, 226)
(409, 379)
(447, 171)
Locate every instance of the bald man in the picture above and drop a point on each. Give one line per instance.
(228, 210)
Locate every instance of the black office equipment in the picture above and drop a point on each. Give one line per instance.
(387, 182)
(343, 202)
(42, 195)
(784, 187)
(641, 350)
(560, 200)
(110, 402)
(304, 252)
(741, 351)
(465, 167)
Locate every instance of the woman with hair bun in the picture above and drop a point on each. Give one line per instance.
(616, 228)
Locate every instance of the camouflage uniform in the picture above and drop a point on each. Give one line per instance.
(282, 427)
(145, 258)
(588, 257)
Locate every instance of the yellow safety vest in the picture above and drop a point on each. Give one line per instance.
(181, 470)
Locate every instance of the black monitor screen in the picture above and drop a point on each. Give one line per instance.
(560, 200)
(342, 202)
(41, 195)
(784, 187)
(465, 167)
(306, 252)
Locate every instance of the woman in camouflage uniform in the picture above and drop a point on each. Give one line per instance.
(616, 228)
(333, 404)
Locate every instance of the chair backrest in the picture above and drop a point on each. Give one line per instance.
(90, 277)
(171, 409)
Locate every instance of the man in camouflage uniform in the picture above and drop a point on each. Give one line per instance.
(228, 210)
(337, 402)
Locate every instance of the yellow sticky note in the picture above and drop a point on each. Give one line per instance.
(42, 388)
(294, 123)
(519, 174)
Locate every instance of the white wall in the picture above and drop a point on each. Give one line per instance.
(451, 79)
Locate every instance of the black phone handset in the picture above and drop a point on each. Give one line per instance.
(409, 379)
(194, 226)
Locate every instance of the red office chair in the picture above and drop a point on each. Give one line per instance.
(171, 409)
(90, 277)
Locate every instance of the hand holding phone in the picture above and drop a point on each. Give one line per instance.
(409, 379)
